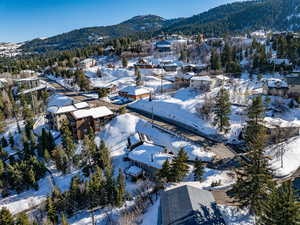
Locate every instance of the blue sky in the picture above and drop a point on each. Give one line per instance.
(22, 20)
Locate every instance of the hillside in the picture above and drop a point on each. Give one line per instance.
(234, 18)
(242, 16)
(90, 35)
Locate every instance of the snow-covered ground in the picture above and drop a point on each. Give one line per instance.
(236, 216)
(28, 199)
(290, 157)
(115, 135)
(121, 78)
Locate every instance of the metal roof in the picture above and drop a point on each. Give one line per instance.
(187, 205)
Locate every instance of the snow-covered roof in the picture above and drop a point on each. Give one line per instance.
(134, 171)
(133, 90)
(98, 112)
(65, 109)
(222, 77)
(276, 83)
(150, 155)
(277, 122)
(163, 44)
(201, 78)
(27, 79)
(279, 61)
(134, 139)
(186, 76)
(81, 105)
(40, 87)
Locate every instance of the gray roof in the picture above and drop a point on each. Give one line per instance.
(187, 205)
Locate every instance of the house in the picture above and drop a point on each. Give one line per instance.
(279, 130)
(196, 68)
(278, 61)
(188, 205)
(87, 63)
(293, 82)
(203, 83)
(143, 64)
(163, 46)
(168, 65)
(134, 92)
(57, 115)
(84, 119)
(149, 157)
(275, 87)
(183, 80)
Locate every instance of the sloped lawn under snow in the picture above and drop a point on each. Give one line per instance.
(291, 157)
(116, 132)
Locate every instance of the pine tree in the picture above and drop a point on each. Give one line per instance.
(198, 170)
(120, 189)
(51, 211)
(215, 60)
(255, 176)
(22, 219)
(105, 160)
(6, 217)
(124, 62)
(11, 140)
(179, 168)
(281, 207)
(254, 181)
(165, 172)
(67, 140)
(255, 133)
(138, 77)
(222, 110)
(4, 142)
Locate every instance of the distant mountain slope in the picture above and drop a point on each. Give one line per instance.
(229, 18)
(242, 16)
(86, 36)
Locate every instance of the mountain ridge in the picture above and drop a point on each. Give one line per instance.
(235, 17)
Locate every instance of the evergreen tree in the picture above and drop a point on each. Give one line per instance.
(11, 140)
(198, 170)
(120, 189)
(281, 207)
(255, 176)
(105, 160)
(124, 62)
(67, 140)
(255, 133)
(138, 77)
(215, 60)
(4, 142)
(165, 172)
(51, 211)
(222, 110)
(6, 217)
(179, 168)
(22, 219)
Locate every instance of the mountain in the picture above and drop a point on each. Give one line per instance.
(279, 15)
(85, 36)
(242, 16)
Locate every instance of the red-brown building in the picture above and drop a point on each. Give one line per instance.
(134, 93)
(82, 120)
